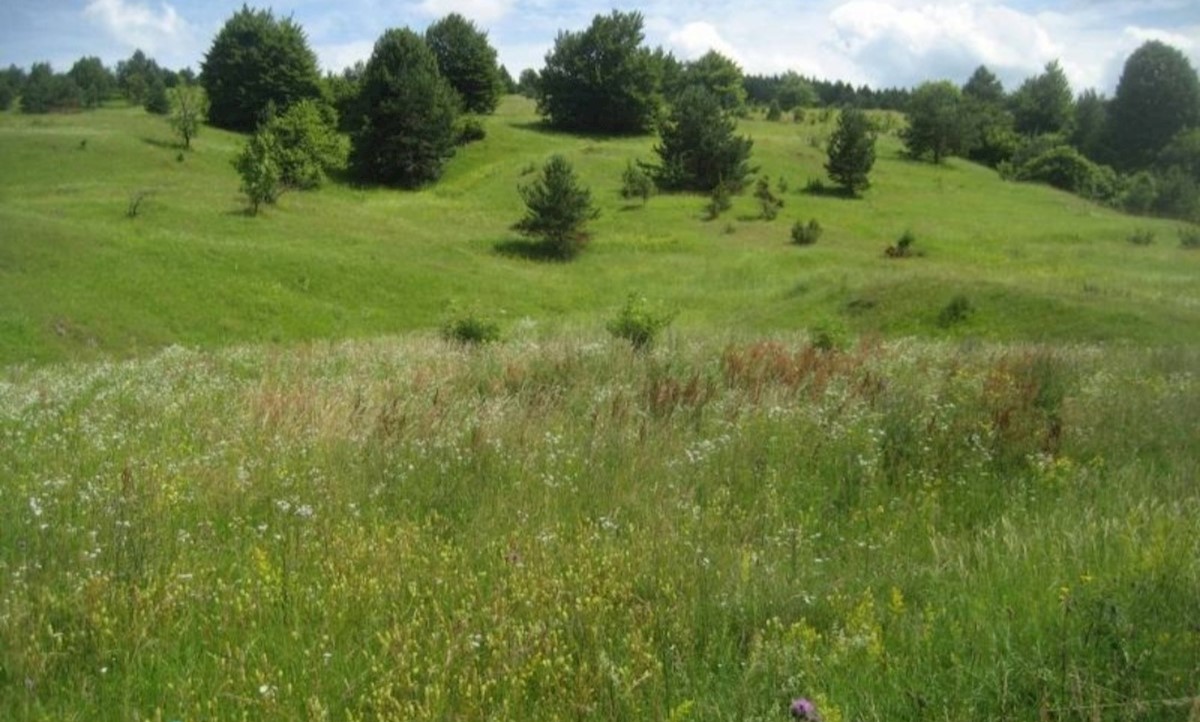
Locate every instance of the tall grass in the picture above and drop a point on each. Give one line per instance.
(568, 529)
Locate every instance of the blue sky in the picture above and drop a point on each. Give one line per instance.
(878, 42)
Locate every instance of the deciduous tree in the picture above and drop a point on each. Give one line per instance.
(936, 123)
(257, 61)
(467, 60)
(601, 79)
(1157, 96)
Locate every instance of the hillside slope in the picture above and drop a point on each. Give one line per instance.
(79, 279)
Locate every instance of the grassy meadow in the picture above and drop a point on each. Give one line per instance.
(79, 279)
(241, 477)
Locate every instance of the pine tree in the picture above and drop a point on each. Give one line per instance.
(557, 209)
(409, 111)
(698, 149)
(851, 151)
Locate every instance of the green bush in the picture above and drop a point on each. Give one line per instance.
(1142, 237)
(1139, 194)
(806, 234)
(469, 130)
(1065, 168)
(719, 201)
(636, 183)
(828, 335)
(769, 204)
(639, 323)
(307, 144)
(1189, 238)
(470, 327)
(903, 247)
(959, 309)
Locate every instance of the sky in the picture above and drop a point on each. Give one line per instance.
(881, 43)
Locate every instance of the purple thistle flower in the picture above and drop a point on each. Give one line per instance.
(803, 708)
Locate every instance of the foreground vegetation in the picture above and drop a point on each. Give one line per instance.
(407, 529)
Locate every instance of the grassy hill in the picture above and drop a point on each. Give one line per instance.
(79, 279)
(278, 522)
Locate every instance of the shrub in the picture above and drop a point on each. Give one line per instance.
(308, 144)
(719, 201)
(469, 130)
(769, 204)
(806, 234)
(827, 336)
(639, 323)
(1189, 238)
(1140, 193)
(903, 247)
(774, 112)
(470, 327)
(259, 170)
(636, 183)
(1142, 237)
(1065, 168)
(959, 309)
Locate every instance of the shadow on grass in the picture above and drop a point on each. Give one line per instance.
(164, 144)
(545, 128)
(821, 190)
(528, 251)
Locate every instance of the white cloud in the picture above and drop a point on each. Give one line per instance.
(136, 25)
(336, 57)
(696, 39)
(482, 11)
(923, 42)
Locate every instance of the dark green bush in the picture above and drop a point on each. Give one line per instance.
(806, 234)
(959, 309)
(470, 327)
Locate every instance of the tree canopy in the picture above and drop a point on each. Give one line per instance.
(698, 149)
(1157, 96)
(408, 114)
(602, 79)
(257, 61)
(983, 86)
(94, 80)
(718, 75)
(1043, 103)
(468, 61)
(936, 123)
(46, 91)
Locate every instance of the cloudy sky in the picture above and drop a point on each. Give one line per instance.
(878, 42)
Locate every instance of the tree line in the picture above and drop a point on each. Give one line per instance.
(398, 117)
(1139, 150)
(89, 83)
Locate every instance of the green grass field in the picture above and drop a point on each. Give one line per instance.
(79, 279)
(242, 479)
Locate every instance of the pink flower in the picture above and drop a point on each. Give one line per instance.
(803, 708)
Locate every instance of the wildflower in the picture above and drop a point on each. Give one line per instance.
(803, 708)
